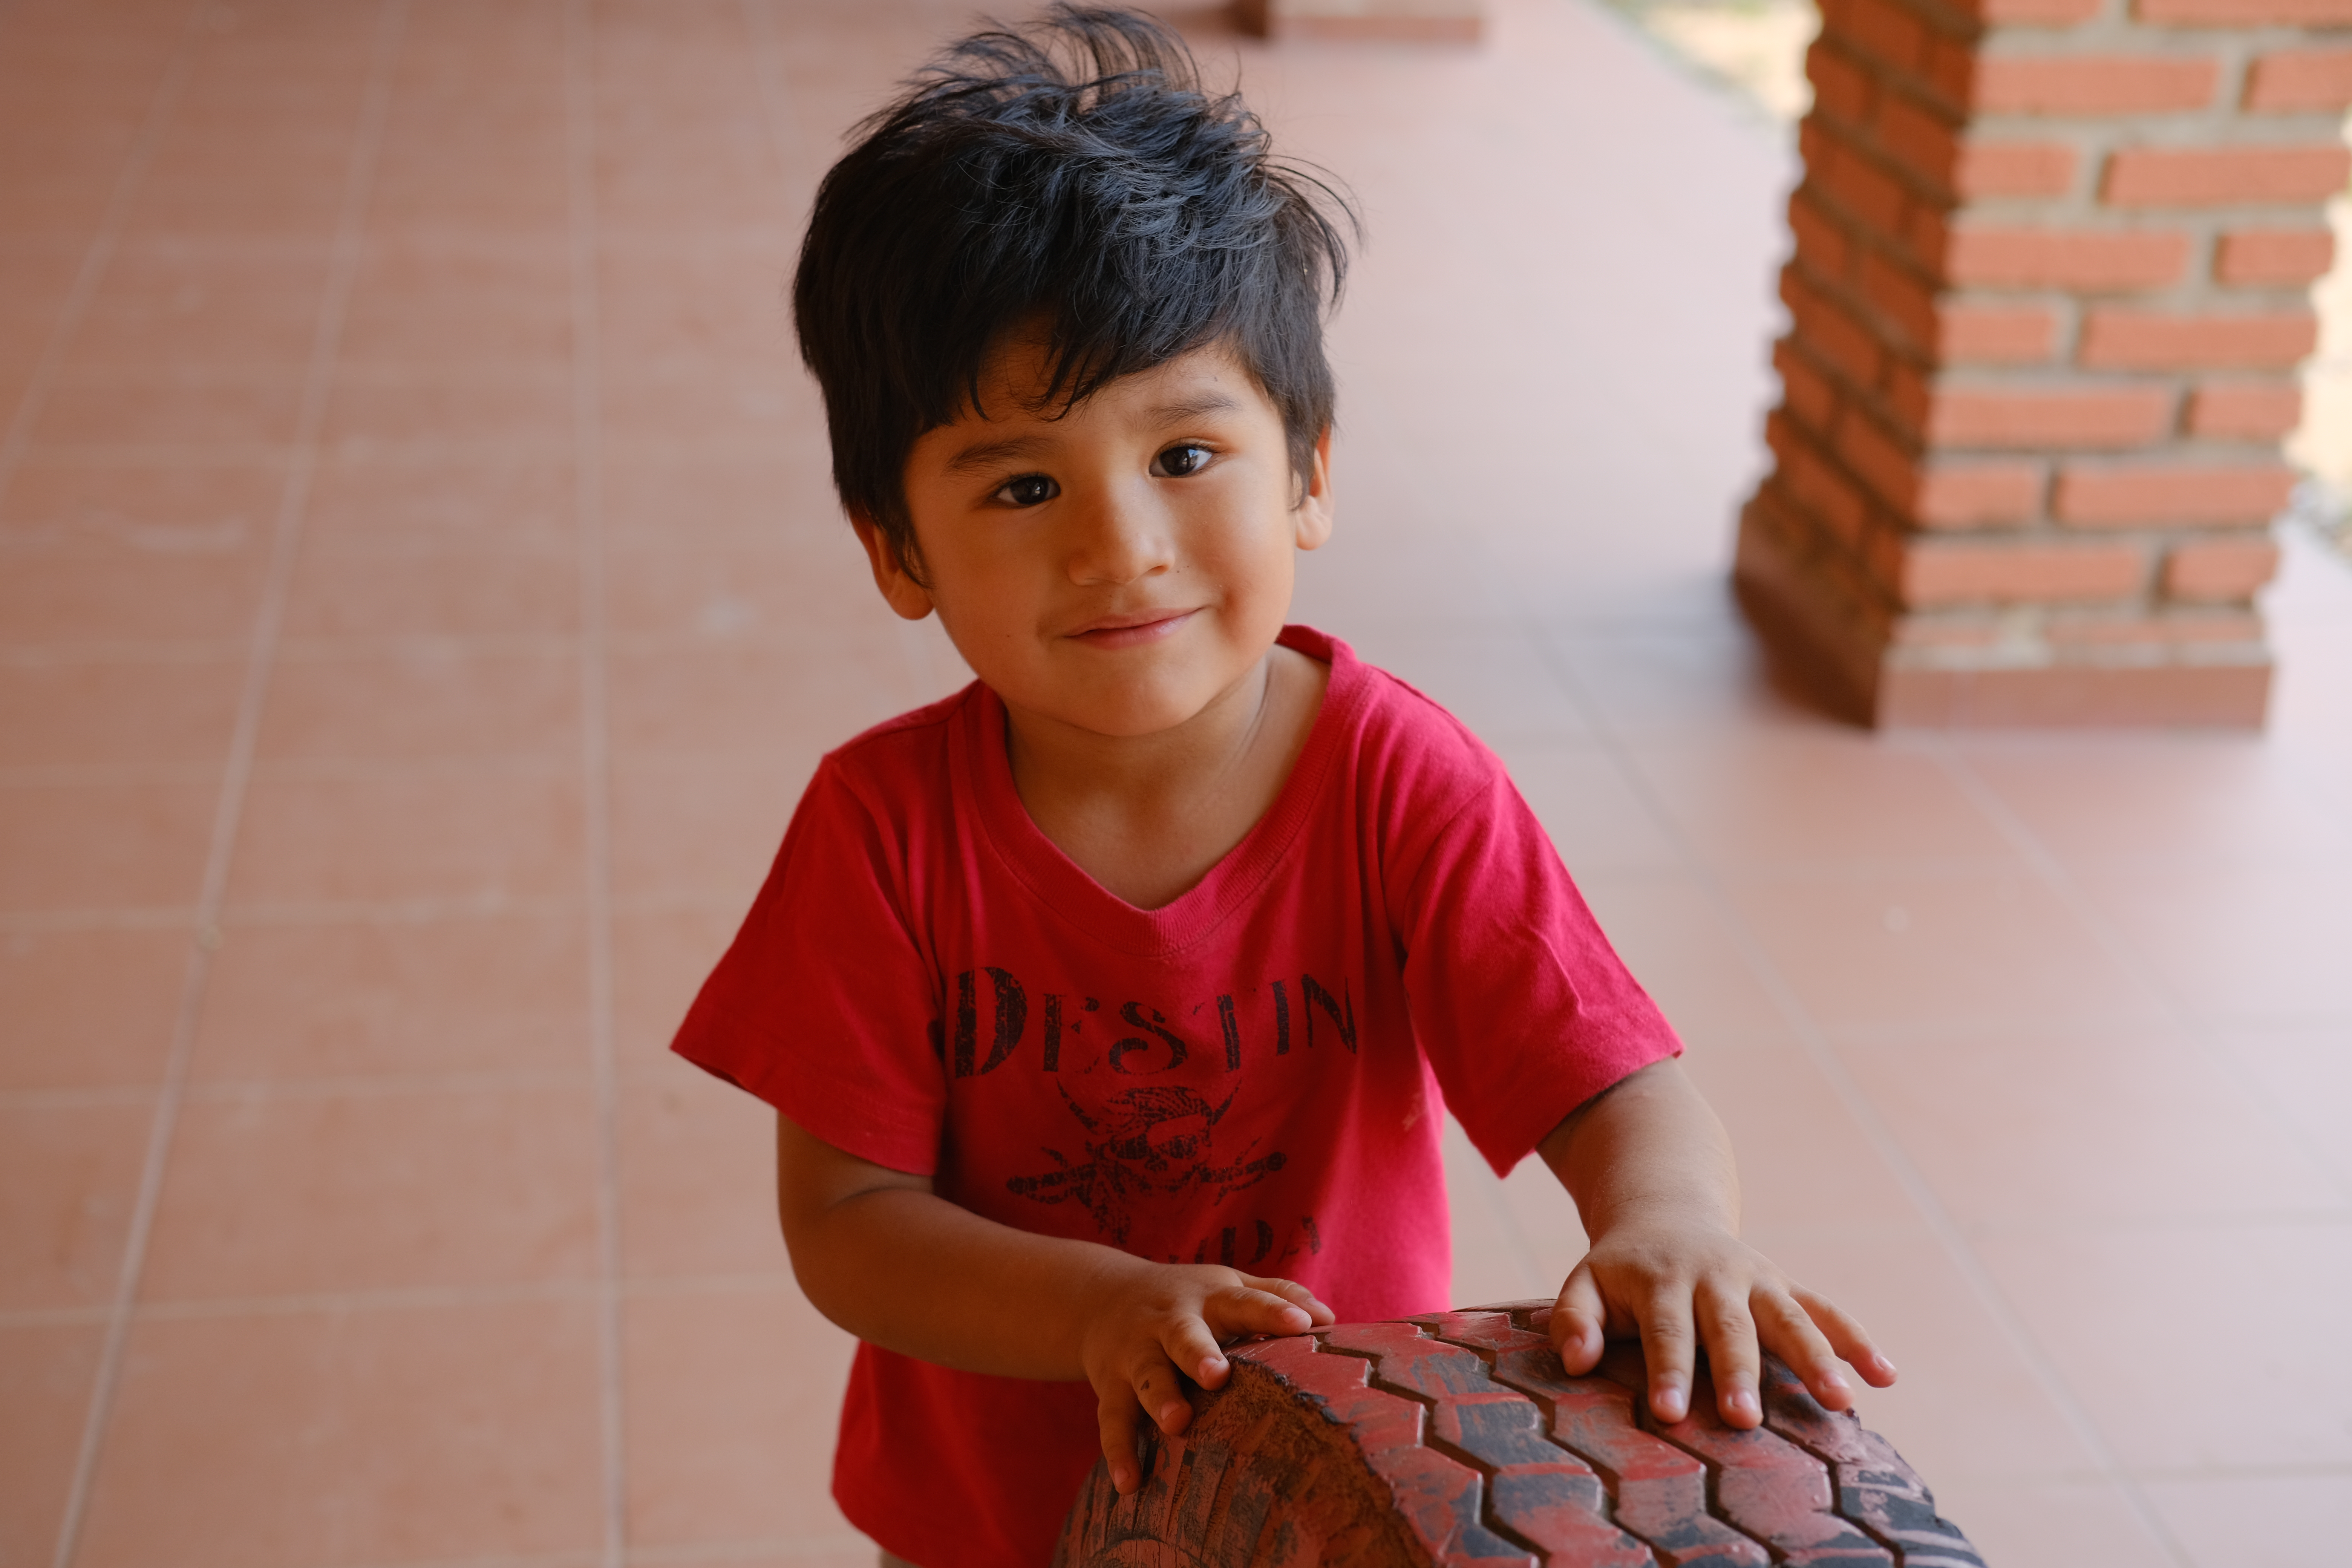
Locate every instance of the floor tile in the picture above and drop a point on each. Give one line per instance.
(1887, 948)
(1803, 1158)
(45, 1375)
(89, 1008)
(482, 836)
(105, 845)
(180, 306)
(1674, 939)
(727, 694)
(2241, 940)
(123, 410)
(447, 503)
(364, 998)
(477, 413)
(68, 712)
(2056, 1524)
(72, 1170)
(1596, 816)
(363, 1437)
(2258, 1522)
(698, 1177)
(2048, 1126)
(396, 582)
(660, 959)
(2125, 1313)
(2304, 1074)
(301, 1192)
(1495, 681)
(1816, 799)
(733, 1397)
(427, 701)
(705, 827)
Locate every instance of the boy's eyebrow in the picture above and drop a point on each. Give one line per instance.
(988, 453)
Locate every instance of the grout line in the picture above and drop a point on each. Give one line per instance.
(294, 498)
(595, 749)
(2148, 974)
(1882, 1137)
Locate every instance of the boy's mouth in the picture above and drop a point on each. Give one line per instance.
(1132, 629)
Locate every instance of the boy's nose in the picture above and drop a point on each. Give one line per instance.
(1122, 538)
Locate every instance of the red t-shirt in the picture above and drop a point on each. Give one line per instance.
(1251, 1075)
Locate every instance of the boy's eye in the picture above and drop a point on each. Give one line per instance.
(1029, 489)
(1177, 461)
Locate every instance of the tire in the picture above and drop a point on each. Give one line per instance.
(1455, 1440)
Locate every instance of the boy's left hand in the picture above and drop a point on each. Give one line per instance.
(1683, 1283)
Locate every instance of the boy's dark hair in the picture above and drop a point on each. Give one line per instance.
(1074, 175)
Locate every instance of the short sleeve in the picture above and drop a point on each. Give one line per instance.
(1520, 1005)
(824, 1005)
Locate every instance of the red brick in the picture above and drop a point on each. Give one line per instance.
(1934, 571)
(2297, 79)
(2224, 176)
(1825, 493)
(2094, 84)
(1979, 333)
(1951, 70)
(2244, 410)
(2169, 495)
(2276, 256)
(1807, 392)
(2014, 169)
(2174, 630)
(2116, 339)
(2032, 419)
(2246, 13)
(1841, 88)
(1979, 495)
(1908, 394)
(1850, 181)
(1878, 462)
(2080, 261)
(2030, 13)
(1881, 30)
(1829, 331)
(1928, 143)
(2220, 569)
(1906, 302)
(1820, 242)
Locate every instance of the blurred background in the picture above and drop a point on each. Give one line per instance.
(421, 601)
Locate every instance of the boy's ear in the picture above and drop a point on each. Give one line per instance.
(908, 597)
(1311, 518)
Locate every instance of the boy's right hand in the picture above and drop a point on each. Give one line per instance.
(1159, 1323)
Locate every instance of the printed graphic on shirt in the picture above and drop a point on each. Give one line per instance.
(1156, 1141)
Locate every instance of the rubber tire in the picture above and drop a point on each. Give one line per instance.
(1457, 1441)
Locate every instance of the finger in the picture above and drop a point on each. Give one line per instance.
(1670, 1351)
(1847, 1337)
(1578, 1323)
(1193, 1348)
(1159, 1392)
(1115, 1414)
(1729, 1334)
(1319, 1316)
(1246, 1309)
(1789, 1332)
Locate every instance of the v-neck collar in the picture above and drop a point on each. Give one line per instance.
(1059, 883)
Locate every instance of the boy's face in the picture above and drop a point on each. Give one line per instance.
(1120, 567)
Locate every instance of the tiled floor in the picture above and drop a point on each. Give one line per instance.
(420, 601)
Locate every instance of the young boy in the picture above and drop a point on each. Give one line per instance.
(1111, 1005)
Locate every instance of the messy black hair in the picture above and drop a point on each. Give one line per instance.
(1071, 177)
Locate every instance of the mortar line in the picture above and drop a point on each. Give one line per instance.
(595, 752)
(286, 537)
(1941, 1223)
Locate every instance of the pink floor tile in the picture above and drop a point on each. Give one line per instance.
(69, 1179)
(363, 1436)
(1594, 811)
(425, 703)
(114, 712)
(45, 1375)
(390, 580)
(299, 1190)
(364, 998)
(2259, 1522)
(2061, 1524)
(104, 843)
(660, 956)
(684, 827)
(89, 1008)
(697, 1161)
(733, 1397)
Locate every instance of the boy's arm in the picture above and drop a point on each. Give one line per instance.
(1652, 1174)
(883, 1256)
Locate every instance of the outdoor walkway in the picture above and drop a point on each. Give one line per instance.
(421, 601)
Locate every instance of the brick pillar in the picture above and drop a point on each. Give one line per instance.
(1406, 21)
(2049, 289)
